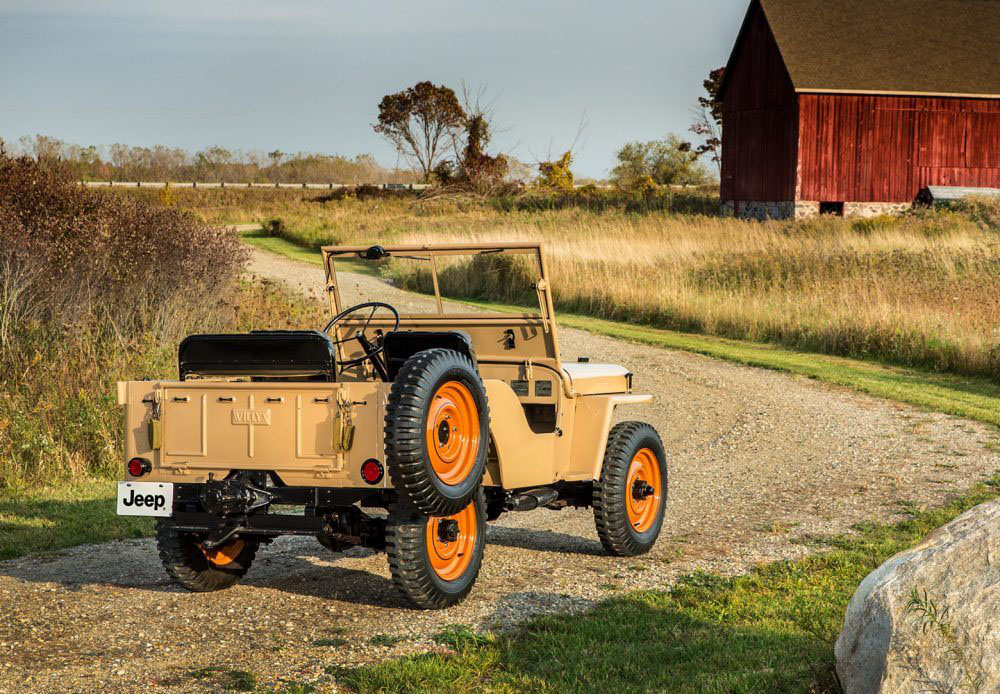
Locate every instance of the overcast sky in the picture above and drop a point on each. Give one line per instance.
(308, 74)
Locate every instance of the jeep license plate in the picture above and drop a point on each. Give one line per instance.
(145, 499)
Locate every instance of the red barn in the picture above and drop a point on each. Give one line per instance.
(853, 106)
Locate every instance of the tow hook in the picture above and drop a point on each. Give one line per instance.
(642, 490)
(233, 497)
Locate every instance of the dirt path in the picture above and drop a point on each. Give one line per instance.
(758, 459)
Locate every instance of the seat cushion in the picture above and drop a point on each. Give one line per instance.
(595, 379)
(262, 352)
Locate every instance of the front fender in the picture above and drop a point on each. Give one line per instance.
(591, 427)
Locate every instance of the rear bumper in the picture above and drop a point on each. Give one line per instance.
(329, 512)
(188, 497)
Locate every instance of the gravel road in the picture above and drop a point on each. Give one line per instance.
(758, 460)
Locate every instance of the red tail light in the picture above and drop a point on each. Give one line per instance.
(137, 467)
(372, 471)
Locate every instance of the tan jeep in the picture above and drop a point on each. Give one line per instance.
(442, 420)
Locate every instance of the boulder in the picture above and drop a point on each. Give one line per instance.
(928, 619)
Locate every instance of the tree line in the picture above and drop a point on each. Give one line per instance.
(160, 163)
(444, 137)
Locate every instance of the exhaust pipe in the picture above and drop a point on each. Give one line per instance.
(531, 499)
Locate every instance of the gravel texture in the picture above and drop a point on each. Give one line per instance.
(758, 461)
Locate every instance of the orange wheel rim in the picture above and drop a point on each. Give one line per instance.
(643, 490)
(453, 432)
(225, 555)
(451, 541)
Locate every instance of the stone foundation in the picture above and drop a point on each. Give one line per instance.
(803, 209)
(784, 209)
(874, 209)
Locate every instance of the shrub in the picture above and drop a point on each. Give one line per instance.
(670, 161)
(556, 174)
(93, 288)
(82, 260)
(273, 227)
(985, 211)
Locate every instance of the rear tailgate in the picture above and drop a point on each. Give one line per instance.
(192, 428)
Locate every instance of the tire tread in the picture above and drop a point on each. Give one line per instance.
(175, 549)
(406, 547)
(404, 434)
(609, 497)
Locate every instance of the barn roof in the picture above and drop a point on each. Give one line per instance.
(920, 47)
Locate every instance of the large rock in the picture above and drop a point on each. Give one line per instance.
(928, 619)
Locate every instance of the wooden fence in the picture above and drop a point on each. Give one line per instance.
(197, 184)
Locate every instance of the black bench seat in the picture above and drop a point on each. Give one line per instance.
(281, 353)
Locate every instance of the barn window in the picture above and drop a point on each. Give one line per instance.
(834, 208)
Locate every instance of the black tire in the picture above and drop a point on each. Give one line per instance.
(410, 561)
(407, 453)
(183, 558)
(612, 495)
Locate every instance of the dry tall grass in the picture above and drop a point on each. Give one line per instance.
(921, 290)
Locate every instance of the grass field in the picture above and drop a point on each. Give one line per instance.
(920, 290)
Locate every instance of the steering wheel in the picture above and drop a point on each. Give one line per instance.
(370, 349)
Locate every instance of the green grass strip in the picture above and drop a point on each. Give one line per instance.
(280, 246)
(293, 251)
(962, 396)
(771, 630)
(43, 520)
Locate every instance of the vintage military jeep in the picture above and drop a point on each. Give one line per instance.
(398, 431)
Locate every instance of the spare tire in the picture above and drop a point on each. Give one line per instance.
(437, 428)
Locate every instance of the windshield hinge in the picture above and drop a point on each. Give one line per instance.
(542, 288)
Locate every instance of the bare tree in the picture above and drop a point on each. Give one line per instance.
(420, 121)
(475, 167)
(708, 119)
(554, 170)
(275, 157)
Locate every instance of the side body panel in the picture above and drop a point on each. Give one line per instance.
(572, 453)
(526, 459)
